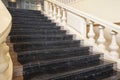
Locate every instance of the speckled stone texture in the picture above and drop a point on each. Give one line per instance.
(48, 53)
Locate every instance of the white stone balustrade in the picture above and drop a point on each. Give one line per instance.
(97, 39)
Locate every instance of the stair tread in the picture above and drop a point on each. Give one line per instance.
(24, 46)
(58, 60)
(36, 32)
(47, 42)
(45, 31)
(51, 76)
(52, 50)
(55, 35)
(23, 10)
(51, 54)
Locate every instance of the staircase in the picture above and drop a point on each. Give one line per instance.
(46, 52)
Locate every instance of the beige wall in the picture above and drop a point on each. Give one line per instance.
(106, 9)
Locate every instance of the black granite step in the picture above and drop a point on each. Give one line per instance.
(34, 17)
(23, 10)
(50, 54)
(17, 14)
(36, 32)
(96, 72)
(34, 24)
(35, 27)
(26, 13)
(37, 23)
(29, 38)
(26, 46)
(60, 65)
(25, 16)
(30, 20)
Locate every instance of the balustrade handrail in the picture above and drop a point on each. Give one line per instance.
(102, 22)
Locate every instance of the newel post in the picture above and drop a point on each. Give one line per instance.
(101, 39)
(114, 46)
(91, 33)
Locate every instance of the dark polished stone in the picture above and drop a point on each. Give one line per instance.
(48, 53)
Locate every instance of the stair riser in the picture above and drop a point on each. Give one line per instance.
(35, 28)
(93, 74)
(38, 38)
(38, 23)
(28, 14)
(37, 46)
(31, 20)
(50, 68)
(33, 17)
(51, 55)
(36, 33)
(24, 12)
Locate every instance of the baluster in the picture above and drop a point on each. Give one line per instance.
(38, 5)
(47, 8)
(101, 40)
(50, 10)
(114, 46)
(91, 33)
(59, 15)
(54, 12)
(64, 17)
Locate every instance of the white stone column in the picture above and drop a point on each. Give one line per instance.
(38, 5)
(50, 10)
(64, 17)
(91, 33)
(45, 6)
(54, 12)
(58, 14)
(101, 39)
(114, 46)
